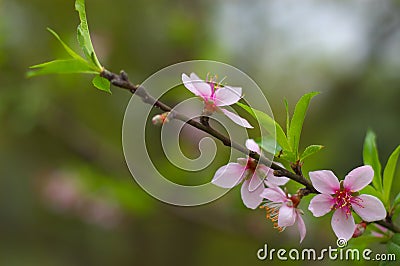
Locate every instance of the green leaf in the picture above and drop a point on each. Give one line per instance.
(397, 199)
(388, 174)
(288, 156)
(61, 67)
(287, 117)
(371, 157)
(66, 47)
(393, 248)
(269, 124)
(371, 191)
(102, 84)
(268, 144)
(84, 36)
(396, 206)
(310, 150)
(396, 239)
(296, 123)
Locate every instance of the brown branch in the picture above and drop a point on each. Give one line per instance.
(123, 82)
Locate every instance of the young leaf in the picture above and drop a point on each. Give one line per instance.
(84, 36)
(268, 144)
(397, 200)
(393, 246)
(310, 150)
(388, 174)
(66, 47)
(61, 67)
(287, 117)
(370, 155)
(102, 84)
(371, 191)
(269, 124)
(288, 156)
(296, 123)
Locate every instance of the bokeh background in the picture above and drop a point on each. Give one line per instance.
(66, 195)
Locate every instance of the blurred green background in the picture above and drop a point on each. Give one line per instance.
(66, 195)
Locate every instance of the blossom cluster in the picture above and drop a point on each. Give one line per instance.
(261, 188)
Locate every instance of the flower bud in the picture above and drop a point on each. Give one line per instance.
(160, 119)
(360, 229)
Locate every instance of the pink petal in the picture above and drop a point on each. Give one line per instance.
(187, 82)
(321, 204)
(359, 178)
(251, 199)
(252, 145)
(271, 180)
(227, 95)
(286, 216)
(237, 119)
(228, 175)
(301, 225)
(343, 224)
(197, 85)
(255, 182)
(369, 208)
(324, 181)
(274, 194)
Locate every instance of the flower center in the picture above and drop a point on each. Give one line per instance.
(343, 200)
(212, 81)
(251, 164)
(209, 107)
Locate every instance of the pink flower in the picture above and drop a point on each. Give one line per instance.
(251, 174)
(343, 198)
(215, 96)
(282, 210)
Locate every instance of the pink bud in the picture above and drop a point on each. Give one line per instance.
(160, 119)
(360, 229)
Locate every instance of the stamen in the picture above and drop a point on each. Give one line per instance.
(272, 209)
(343, 200)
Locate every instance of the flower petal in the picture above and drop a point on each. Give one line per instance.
(237, 119)
(255, 181)
(227, 95)
(187, 82)
(197, 86)
(324, 181)
(301, 225)
(274, 194)
(321, 204)
(343, 224)
(271, 180)
(252, 145)
(286, 216)
(228, 175)
(251, 199)
(369, 208)
(359, 178)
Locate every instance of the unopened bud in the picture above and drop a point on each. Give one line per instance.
(360, 229)
(160, 119)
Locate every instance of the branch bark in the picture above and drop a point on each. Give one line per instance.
(122, 81)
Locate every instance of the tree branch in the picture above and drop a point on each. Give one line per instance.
(123, 82)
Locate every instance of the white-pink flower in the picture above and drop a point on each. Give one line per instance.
(252, 174)
(215, 96)
(342, 197)
(282, 210)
